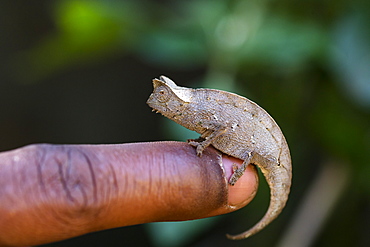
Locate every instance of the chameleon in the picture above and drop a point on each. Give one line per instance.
(235, 126)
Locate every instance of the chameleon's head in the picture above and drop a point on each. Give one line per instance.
(168, 98)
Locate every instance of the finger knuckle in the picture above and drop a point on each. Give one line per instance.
(73, 178)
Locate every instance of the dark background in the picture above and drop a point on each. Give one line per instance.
(80, 72)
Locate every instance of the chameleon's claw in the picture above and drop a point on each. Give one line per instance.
(198, 145)
(237, 173)
(200, 150)
(235, 167)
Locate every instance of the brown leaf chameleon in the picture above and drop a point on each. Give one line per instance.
(236, 126)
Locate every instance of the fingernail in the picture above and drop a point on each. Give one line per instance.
(245, 188)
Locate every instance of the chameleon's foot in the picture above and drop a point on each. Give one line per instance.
(198, 145)
(237, 173)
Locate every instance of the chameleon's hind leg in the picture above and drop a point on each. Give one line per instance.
(252, 158)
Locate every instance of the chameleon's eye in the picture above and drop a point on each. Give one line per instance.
(162, 94)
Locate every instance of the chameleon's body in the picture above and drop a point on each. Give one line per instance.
(236, 126)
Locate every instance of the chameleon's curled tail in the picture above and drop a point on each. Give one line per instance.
(279, 181)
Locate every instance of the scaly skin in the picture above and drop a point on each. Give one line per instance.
(236, 126)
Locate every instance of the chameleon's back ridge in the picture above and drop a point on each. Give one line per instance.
(237, 127)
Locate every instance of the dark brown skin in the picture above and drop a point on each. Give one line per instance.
(54, 192)
(237, 127)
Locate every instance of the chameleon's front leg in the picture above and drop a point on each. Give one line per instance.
(213, 131)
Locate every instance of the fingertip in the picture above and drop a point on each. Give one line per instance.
(245, 188)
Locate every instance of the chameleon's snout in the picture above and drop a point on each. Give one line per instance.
(151, 102)
(156, 106)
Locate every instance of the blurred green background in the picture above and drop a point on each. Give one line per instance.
(80, 72)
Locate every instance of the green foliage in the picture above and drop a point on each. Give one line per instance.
(86, 32)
